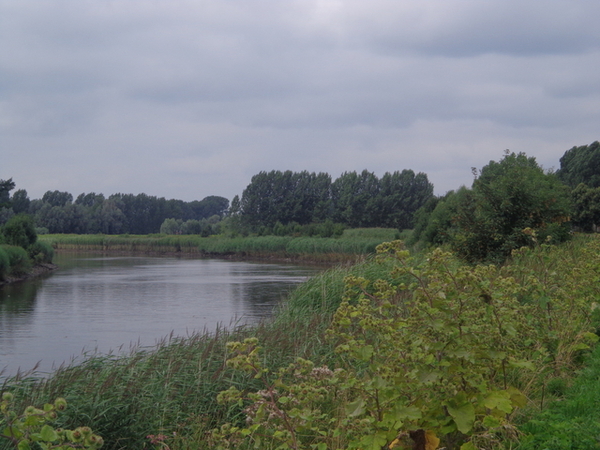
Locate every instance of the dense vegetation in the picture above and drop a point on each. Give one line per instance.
(354, 200)
(280, 203)
(511, 204)
(396, 350)
(350, 245)
(20, 248)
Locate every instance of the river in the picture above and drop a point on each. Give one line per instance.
(113, 304)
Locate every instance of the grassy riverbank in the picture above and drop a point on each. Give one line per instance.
(352, 244)
(540, 312)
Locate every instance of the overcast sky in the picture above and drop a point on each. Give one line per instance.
(189, 98)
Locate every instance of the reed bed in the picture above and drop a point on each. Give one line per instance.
(360, 243)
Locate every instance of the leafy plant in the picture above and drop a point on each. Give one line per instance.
(33, 428)
(427, 360)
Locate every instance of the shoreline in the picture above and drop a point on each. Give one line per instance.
(36, 271)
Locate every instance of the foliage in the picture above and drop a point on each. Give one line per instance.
(300, 197)
(171, 226)
(435, 221)
(354, 200)
(57, 198)
(204, 227)
(586, 207)
(5, 187)
(20, 201)
(510, 203)
(581, 165)
(19, 261)
(20, 231)
(33, 429)
(40, 252)
(447, 357)
(120, 213)
(366, 201)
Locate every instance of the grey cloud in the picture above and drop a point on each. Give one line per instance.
(468, 28)
(207, 93)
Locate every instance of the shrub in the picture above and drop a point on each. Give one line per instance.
(19, 230)
(41, 252)
(18, 260)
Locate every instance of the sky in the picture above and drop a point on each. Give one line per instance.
(189, 98)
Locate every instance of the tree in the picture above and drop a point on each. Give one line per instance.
(401, 194)
(20, 201)
(586, 207)
(171, 226)
(511, 204)
(91, 200)
(355, 199)
(581, 165)
(57, 198)
(5, 187)
(210, 206)
(110, 218)
(285, 197)
(434, 221)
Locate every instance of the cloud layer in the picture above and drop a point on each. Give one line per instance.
(185, 99)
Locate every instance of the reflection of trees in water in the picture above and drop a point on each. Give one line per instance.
(18, 298)
(17, 304)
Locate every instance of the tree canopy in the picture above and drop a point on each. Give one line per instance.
(581, 165)
(511, 204)
(354, 199)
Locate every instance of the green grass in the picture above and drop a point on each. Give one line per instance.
(571, 421)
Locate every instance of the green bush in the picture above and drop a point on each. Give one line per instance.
(18, 259)
(19, 230)
(41, 252)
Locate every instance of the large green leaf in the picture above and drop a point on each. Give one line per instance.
(462, 412)
(48, 434)
(499, 400)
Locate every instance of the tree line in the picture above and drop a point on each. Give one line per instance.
(354, 199)
(274, 202)
(91, 213)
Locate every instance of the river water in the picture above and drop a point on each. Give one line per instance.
(113, 304)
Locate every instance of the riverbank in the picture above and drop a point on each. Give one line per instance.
(524, 328)
(37, 271)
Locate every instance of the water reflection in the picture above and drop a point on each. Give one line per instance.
(109, 303)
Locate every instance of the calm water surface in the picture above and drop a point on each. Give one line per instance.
(111, 304)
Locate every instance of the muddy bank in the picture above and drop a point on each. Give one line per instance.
(37, 271)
